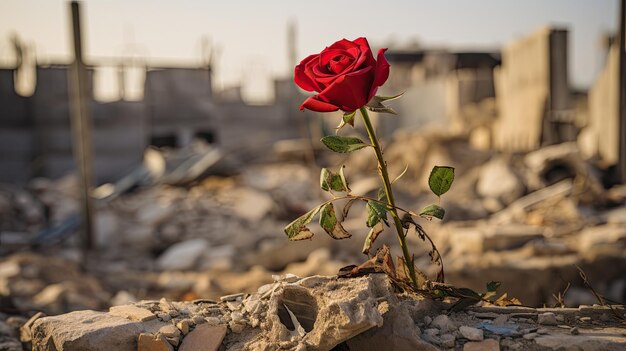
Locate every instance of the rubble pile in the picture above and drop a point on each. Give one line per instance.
(526, 220)
(325, 313)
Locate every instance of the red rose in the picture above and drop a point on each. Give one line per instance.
(345, 75)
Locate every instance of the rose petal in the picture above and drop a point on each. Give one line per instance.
(300, 77)
(365, 56)
(381, 72)
(314, 104)
(349, 91)
(343, 44)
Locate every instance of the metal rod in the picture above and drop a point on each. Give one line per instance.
(81, 130)
(621, 112)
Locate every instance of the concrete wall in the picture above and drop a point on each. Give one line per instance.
(600, 138)
(16, 136)
(532, 92)
(179, 103)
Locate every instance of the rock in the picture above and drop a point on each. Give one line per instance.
(604, 237)
(123, 297)
(25, 330)
(511, 236)
(204, 338)
(447, 340)
(605, 339)
(485, 345)
(251, 205)
(397, 333)
(231, 297)
(152, 213)
(547, 318)
(183, 255)
(89, 330)
(183, 326)
(497, 180)
(443, 323)
(574, 331)
(169, 331)
(8, 343)
(470, 333)
(530, 336)
(132, 312)
(149, 342)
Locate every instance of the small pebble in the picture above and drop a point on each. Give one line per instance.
(560, 318)
(501, 319)
(530, 336)
(585, 319)
(547, 318)
(183, 326)
(448, 340)
(574, 331)
(472, 334)
(427, 320)
(174, 341)
(173, 313)
(164, 317)
(542, 331)
(236, 327)
(212, 320)
(198, 320)
(232, 297)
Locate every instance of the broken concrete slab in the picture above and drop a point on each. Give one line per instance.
(89, 330)
(204, 337)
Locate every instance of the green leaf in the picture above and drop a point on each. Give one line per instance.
(381, 195)
(493, 286)
(297, 229)
(375, 213)
(376, 104)
(371, 237)
(441, 179)
(331, 181)
(433, 210)
(330, 224)
(343, 144)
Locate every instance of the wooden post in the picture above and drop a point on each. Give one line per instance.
(621, 112)
(81, 130)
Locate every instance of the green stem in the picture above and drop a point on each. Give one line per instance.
(384, 175)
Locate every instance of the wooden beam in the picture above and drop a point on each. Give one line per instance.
(81, 130)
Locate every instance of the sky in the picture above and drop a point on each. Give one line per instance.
(249, 38)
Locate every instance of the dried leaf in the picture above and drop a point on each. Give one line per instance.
(371, 237)
(297, 229)
(330, 224)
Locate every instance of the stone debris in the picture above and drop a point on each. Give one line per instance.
(132, 312)
(547, 318)
(470, 333)
(485, 345)
(362, 313)
(525, 220)
(204, 338)
(149, 342)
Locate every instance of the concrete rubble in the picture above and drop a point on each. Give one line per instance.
(325, 313)
(526, 220)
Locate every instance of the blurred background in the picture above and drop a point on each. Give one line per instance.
(156, 149)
